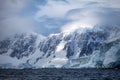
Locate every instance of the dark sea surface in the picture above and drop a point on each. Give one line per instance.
(59, 74)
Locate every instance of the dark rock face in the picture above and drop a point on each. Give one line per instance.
(49, 45)
(70, 49)
(23, 46)
(92, 41)
(4, 45)
(87, 42)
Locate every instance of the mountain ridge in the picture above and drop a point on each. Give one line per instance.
(80, 48)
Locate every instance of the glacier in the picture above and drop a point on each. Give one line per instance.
(97, 47)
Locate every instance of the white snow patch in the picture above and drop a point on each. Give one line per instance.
(60, 46)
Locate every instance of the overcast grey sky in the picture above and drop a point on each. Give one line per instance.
(53, 16)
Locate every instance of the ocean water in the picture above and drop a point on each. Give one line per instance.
(59, 74)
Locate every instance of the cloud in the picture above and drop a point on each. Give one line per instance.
(18, 15)
(11, 7)
(11, 19)
(110, 3)
(58, 8)
(94, 14)
(51, 16)
(77, 13)
(89, 17)
(16, 24)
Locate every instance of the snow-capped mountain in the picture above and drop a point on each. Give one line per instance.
(96, 47)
